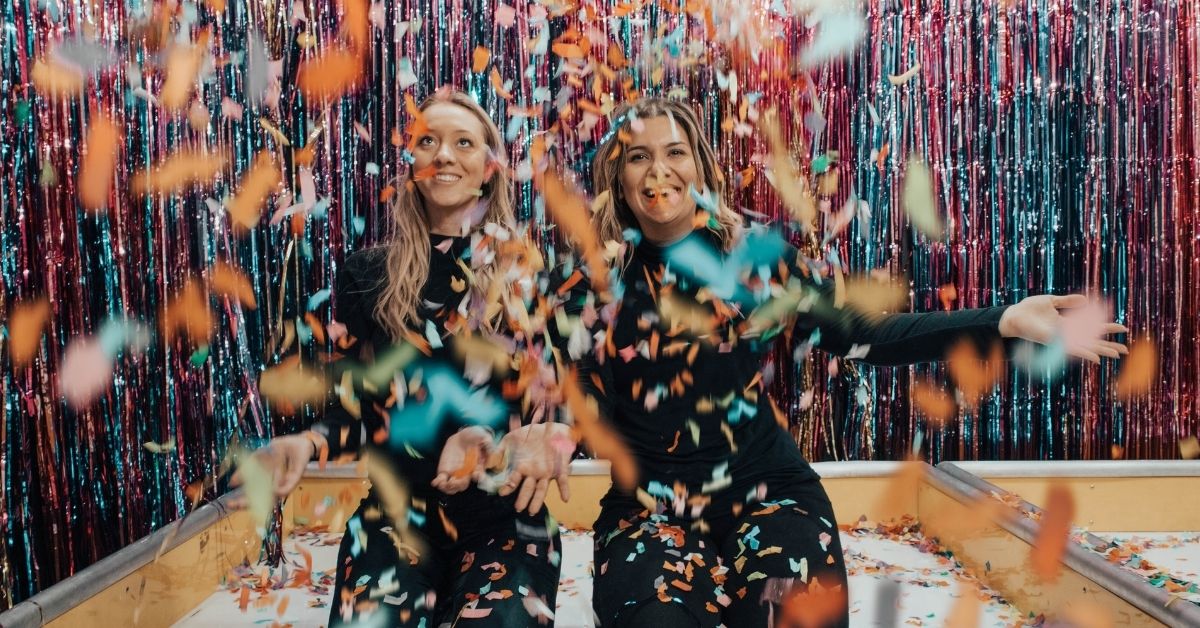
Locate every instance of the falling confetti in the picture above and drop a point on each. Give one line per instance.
(25, 327)
(919, 201)
(1053, 533)
(99, 163)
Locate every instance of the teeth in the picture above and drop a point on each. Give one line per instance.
(448, 178)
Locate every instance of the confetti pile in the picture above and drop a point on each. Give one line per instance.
(1170, 562)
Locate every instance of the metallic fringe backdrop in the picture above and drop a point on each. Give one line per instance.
(1062, 137)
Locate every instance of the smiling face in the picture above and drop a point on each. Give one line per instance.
(660, 165)
(452, 158)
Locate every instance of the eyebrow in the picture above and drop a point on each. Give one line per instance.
(672, 144)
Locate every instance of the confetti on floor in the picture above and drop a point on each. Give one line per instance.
(928, 583)
(1168, 560)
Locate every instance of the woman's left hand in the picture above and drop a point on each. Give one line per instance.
(536, 455)
(1083, 326)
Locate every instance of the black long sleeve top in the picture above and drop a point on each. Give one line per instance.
(694, 411)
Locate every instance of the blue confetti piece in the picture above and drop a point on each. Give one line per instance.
(319, 297)
(416, 518)
(360, 225)
(418, 423)
(303, 332)
(432, 335)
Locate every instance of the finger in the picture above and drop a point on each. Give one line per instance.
(564, 486)
(1069, 301)
(1107, 352)
(1086, 355)
(439, 481)
(1115, 346)
(290, 479)
(236, 479)
(455, 485)
(514, 480)
(1115, 328)
(539, 496)
(527, 489)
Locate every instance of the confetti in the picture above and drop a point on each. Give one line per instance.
(245, 209)
(569, 210)
(1139, 370)
(100, 153)
(906, 77)
(56, 80)
(603, 441)
(176, 172)
(86, 371)
(188, 311)
(480, 59)
(183, 68)
(919, 201)
(226, 280)
(290, 384)
(157, 448)
(838, 34)
(785, 177)
(331, 75)
(26, 324)
(933, 402)
(1053, 533)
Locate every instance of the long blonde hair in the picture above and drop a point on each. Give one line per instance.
(408, 249)
(614, 216)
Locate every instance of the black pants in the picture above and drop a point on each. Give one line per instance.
(488, 567)
(772, 562)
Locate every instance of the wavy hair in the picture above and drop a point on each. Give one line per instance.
(408, 247)
(614, 216)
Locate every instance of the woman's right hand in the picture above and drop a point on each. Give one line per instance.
(284, 459)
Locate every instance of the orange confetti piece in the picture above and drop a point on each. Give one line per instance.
(816, 606)
(567, 51)
(244, 600)
(245, 209)
(965, 612)
(356, 24)
(947, 294)
(183, 68)
(283, 604)
(901, 495)
(331, 75)
(570, 212)
(25, 326)
(1053, 534)
(603, 441)
(56, 80)
(974, 377)
(100, 152)
(176, 172)
(480, 58)
(1140, 368)
(226, 280)
(290, 384)
(448, 525)
(498, 85)
(1189, 448)
(428, 172)
(188, 311)
(881, 156)
(468, 465)
(216, 6)
(933, 402)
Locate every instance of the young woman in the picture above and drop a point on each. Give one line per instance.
(728, 517)
(446, 273)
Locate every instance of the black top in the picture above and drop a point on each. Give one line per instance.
(384, 422)
(694, 410)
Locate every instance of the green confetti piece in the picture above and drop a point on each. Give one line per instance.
(199, 356)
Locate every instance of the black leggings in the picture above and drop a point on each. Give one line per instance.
(754, 567)
(502, 570)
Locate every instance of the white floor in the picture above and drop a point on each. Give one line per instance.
(928, 585)
(1152, 554)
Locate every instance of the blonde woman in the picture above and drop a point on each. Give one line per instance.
(728, 518)
(439, 277)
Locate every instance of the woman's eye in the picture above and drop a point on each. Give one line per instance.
(425, 141)
(465, 142)
(637, 157)
(677, 151)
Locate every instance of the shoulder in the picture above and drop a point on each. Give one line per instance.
(360, 283)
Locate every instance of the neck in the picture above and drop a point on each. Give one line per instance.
(667, 238)
(447, 222)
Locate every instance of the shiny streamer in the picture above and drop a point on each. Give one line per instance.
(1062, 138)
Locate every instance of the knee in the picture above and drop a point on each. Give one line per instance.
(655, 614)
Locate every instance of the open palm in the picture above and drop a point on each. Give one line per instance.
(1081, 325)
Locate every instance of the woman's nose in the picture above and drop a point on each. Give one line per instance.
(444, 154)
